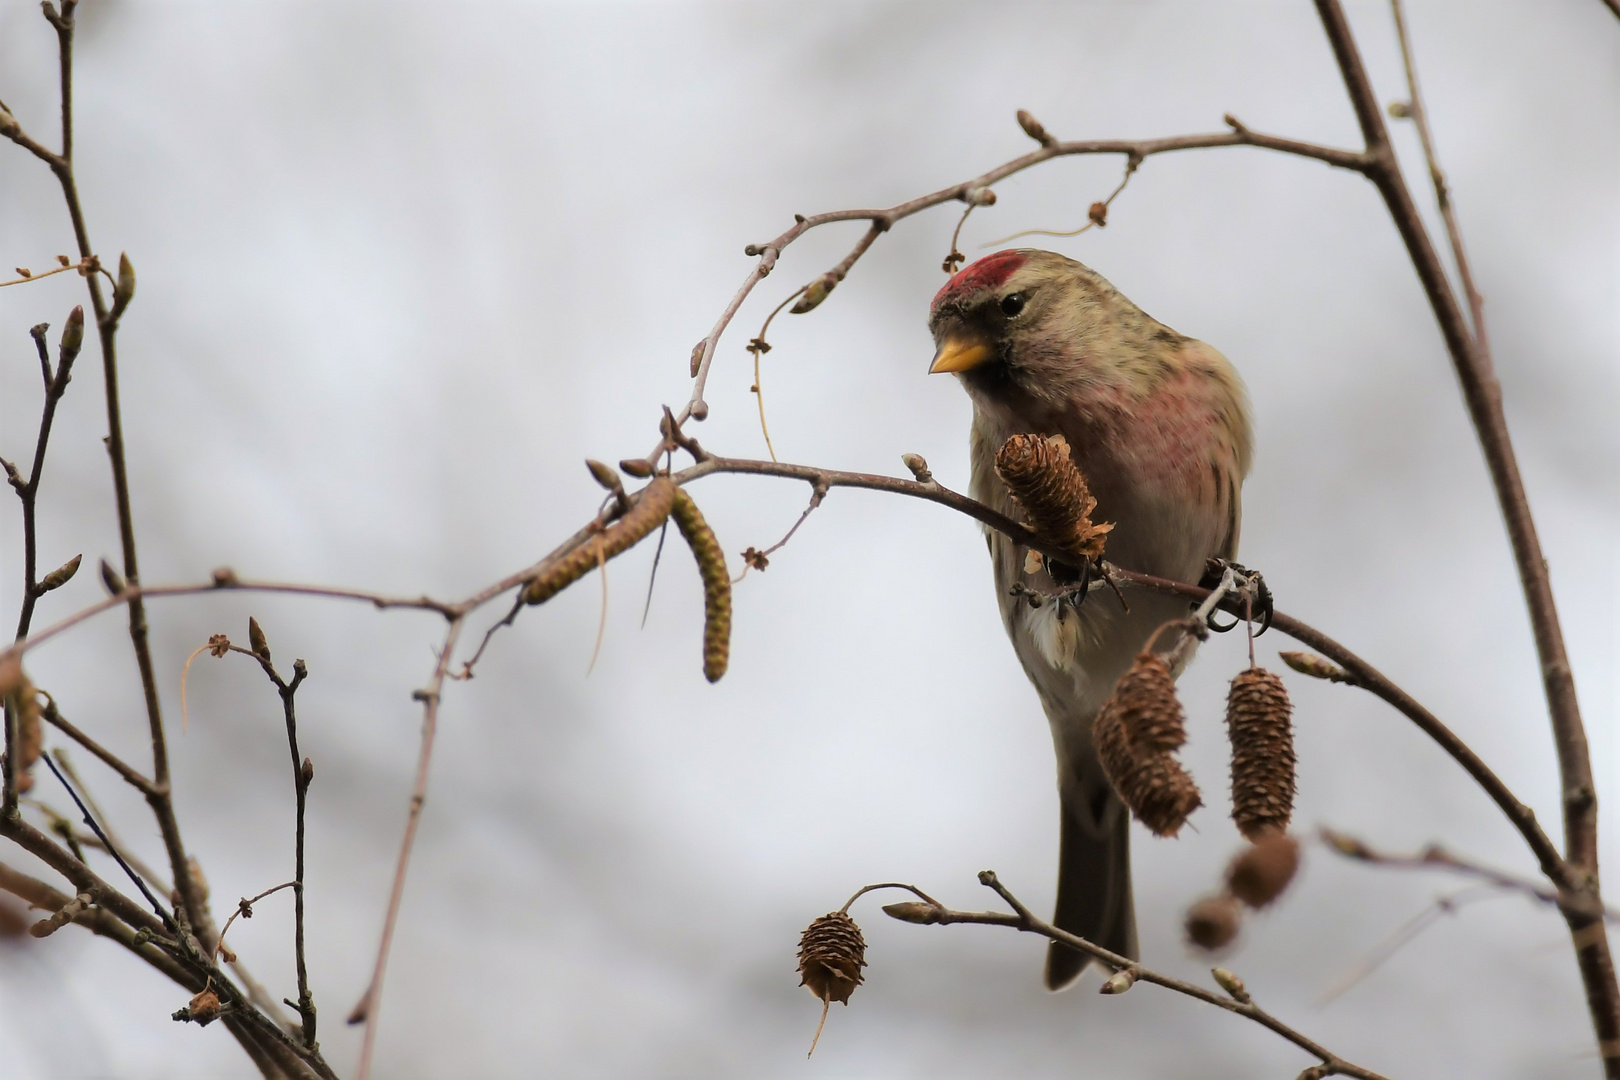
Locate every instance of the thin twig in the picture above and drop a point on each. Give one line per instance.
(1092, 221)
(1027, 921)
(1403, 936)
(1435, 857)
(753, 558)
(244, 908)
(365, 1011)
(89, 264)
(1442, 193)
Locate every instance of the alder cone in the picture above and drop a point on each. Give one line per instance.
(1043, 478)
(831, 955)
(1213, 922)
(1259, 724)
(1260, 874)
(1135, 733)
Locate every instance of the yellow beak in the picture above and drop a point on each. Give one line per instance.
(960, 354)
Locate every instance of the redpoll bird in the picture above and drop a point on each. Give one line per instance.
(1159, 426)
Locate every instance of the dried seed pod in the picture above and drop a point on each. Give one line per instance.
(1135, 733)
(202, 1010)
(1260, 873)
(711, 562)
(831, 955)
(1046, 483)
(1213, 922)
(1259, 726)
(651, 508)
(1098, 214)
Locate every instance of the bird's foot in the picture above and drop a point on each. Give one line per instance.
(1251, 587)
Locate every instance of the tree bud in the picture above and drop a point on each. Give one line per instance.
(110, 578)
(1231, 984)
(256, 639)
(61, 575)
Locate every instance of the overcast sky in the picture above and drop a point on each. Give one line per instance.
(402, 267)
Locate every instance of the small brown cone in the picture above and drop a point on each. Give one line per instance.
(1258, 721)
(1043, 478)
(1260, 874)
(1212, 922)
(831, 955)
(1135, 734)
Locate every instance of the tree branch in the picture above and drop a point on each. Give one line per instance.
(1238, 1001)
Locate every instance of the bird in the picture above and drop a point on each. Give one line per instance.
(1159, 425)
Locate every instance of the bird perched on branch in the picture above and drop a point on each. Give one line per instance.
(1158, 425)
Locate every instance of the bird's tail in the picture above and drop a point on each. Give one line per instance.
(1094, 886)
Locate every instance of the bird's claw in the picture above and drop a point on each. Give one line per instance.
(1261, 607)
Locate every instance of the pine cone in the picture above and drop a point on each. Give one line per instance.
(1135, 733)
(1258, 723)
(1052, 491)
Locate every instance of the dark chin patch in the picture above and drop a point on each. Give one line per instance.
(988, 273)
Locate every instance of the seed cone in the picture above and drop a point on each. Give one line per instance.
(1135, 734)
(831, 955)
(1044, 480)
(1212, 922)
(1260, 874)
(1259, 725)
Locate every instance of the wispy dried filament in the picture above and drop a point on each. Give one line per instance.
(1043, 478)
(650, 510)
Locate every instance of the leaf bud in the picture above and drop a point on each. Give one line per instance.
(72, 336)
(61, 575)
(918, 466)
(1033, 128)
(697, 356)
(8, 123)
(1400, 110)
(636, 467)
(224, 577)
(124, 291)
(814, 294)
(912, 911)
(1231, 984)
(306, 771)
(1317, 667)
(1119, 982)
(604, 475)
(110, 578)
(979, 196)
(256, 639)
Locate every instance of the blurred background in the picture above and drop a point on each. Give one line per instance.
(403, 266)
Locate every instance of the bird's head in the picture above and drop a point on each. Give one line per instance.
(1029, 326)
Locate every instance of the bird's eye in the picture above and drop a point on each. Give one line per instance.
(1012, 304)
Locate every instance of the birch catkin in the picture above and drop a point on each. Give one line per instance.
(711, 562)
(650, 511)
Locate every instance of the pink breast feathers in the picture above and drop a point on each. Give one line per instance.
(987, 273)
